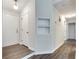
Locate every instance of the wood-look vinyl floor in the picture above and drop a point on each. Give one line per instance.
(66, 51)
(15, 52)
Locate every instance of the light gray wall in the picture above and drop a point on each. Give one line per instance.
(70, 20)
(10, 24)
(71, 31)
(45, 9)
(57, 29)
(30, 11)
(37, 9)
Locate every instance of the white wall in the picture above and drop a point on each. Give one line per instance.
(70, 20)
(30, 11)
(45, 9)
(10, 25)
(71, 31)
(35, 10)
(57, 29)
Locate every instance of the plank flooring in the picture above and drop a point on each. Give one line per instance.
(15, 52)
(66, 51)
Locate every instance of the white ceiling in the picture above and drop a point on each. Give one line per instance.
(8, 4)
(65, 7)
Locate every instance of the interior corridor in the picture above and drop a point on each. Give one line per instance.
(66, 51)
(39, 26)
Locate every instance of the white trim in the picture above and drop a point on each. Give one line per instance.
(27, 46)
(58, 47)
(28, 56)
(31, 48)
(10, 43)
(48, 52)
(45, 52)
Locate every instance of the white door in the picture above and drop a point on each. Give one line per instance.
(25, 32)
(71, 31)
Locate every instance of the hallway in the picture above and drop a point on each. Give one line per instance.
(67, 51)
(41, 25)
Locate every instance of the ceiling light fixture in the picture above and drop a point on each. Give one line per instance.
(15, 5)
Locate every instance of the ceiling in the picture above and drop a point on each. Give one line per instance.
(65, 7)
(8, 4)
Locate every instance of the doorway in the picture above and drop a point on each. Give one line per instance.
(71, 31)
(24, 30)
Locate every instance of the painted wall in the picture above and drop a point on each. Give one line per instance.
(10, 25)
(71, 31)
(45, 9)
(36, 9)
(30, 11)
(70, 20)
(57, 29)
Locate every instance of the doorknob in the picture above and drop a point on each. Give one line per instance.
(17, 31)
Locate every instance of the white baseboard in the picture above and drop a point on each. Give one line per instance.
(28, 56)
(26, 45)
(48, 52)
(9, 43)
(58, 47)
(44, 52)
